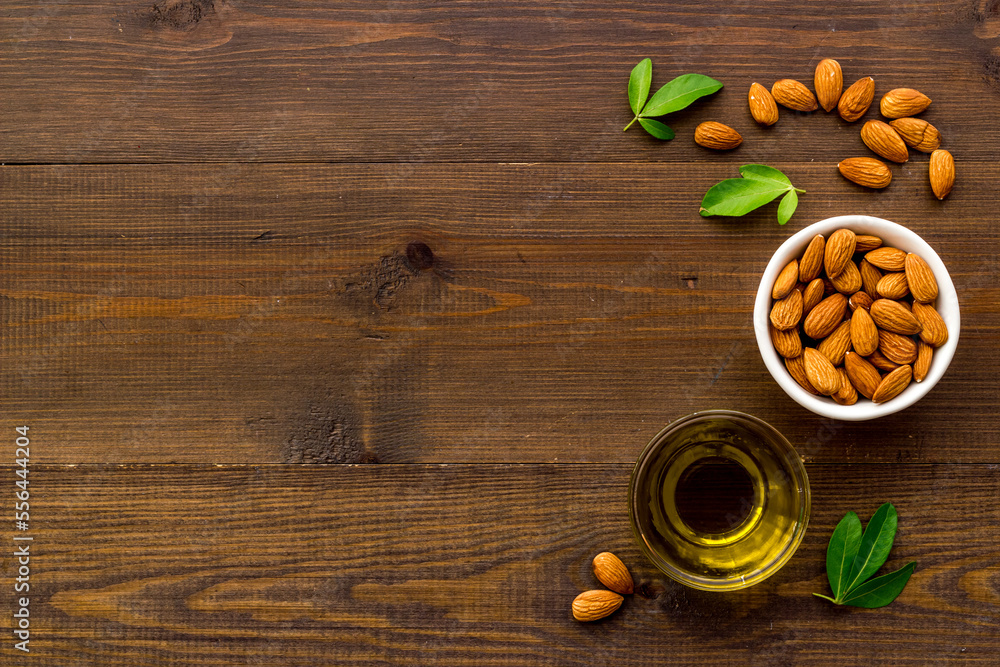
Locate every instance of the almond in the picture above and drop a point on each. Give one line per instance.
(611, 571)
(917, 133)
(885, 141)
(821, 373)
(942, 173)
(855, 101)
(812, 259)
(893, 384)
(836, 345)
(787, 343)
(895, 317)
(812, 295)
(893, 286)
(797, 369)
(825, 317)
(828, 287)
(786, 281)
(595, 605)
(829, 82)
(787, 312)
(847, 394)
(866, 242)
(862, 374)
(901, 102)
(859, 301)
(864, 333)
(865, 171)
(848, 281)
(717, 136)
(925, 354)
(869, 278)
(935, 332)
(794, 95)
(897, 348)
(838, 251)
(920, 278)
(762, 105)
(887, 258)
(879, 361)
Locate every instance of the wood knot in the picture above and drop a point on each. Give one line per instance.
(419, 256)
(181, 14)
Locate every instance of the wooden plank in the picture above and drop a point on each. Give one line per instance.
(454, 565)
(271, 313)
(259, 80)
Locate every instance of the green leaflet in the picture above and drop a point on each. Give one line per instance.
(673, 96)
(638, 85)
(852, 558)
(760, 184)
(680, 93)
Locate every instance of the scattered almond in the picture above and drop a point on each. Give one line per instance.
(787, 343)
(847, 394)
(885, 141)
(787, 312)
(893, 384)
(812, 295)
(864, 333)
(829, 82)
(821, 373)
(812, 259)
(934, 332)
(895, 317)
(893, 286)
(611, 571)
(717, 136)
(848, 281)
(917, 133)
(762, 105)
(866, 171)
(838, 251)
(925, 354)
(855, 101)
(869, 278)
(794, 95)
(862, 374)
(942, 173)
(887, 258)
(901, 102)
(786, 280)
(595, 605)
(920, 278)
(879, 361)
(797, 369)
(859, 300)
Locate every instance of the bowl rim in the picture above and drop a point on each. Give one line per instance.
(946, 304)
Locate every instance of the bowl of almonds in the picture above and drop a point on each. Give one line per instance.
(856, 317)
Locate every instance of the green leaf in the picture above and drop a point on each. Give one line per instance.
(657, 129)
(844, 543)
(880, 591)
(638, 85)
(761, 172)
(786, 208)
(679, 93)
(739, 196)
(875, 545)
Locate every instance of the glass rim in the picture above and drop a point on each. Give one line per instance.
(780, 444)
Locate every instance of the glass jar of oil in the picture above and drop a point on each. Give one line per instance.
(719, 500)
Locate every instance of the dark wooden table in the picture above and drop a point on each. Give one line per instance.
(338, 326)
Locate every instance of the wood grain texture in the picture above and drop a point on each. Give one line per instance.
(243, 80)
(458, 565)
(270, 313)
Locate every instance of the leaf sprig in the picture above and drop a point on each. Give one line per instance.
(760, 184)
(852, 558)
(672, 97)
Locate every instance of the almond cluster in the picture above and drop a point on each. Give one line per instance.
(852, 316)
(599, 603)
(889, 140)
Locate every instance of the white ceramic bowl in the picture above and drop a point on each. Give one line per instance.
(892, 235)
